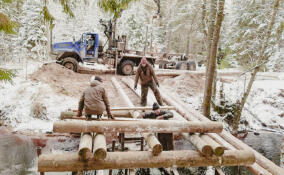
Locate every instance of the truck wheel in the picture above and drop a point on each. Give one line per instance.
(181, 66)
(70, 63)
(191, 65)
(127, 67)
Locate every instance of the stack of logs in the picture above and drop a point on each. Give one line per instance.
(92, 154)
(262, 166)
(100, 159)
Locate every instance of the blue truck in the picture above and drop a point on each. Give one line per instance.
(90, 49)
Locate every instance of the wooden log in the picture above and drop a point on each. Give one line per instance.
(142, 159)
(193, 115)
(85, 147)
(145, 108)
(153, 143)
(100, 151)
(95, 71)
(217, 148)
(203, 147)
(121, 92)
(73, 115)
(150, 126)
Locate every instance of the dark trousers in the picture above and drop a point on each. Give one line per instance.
(144, 93)
(167, 141)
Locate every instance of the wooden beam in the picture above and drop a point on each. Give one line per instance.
(85, 147)
(140, 108)
(150, 126)
(100, 151)
(153, 143)
(73, 115)
(203, 147)
(217, 148)
(142, 159)
(186, 111)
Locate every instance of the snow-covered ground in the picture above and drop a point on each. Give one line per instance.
(19, 99)
(34, 105)
(265, 104)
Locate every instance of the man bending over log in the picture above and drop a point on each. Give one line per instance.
(94, 100)
(146, 74)
(166, 139)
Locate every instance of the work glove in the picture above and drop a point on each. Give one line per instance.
(110, 117)
(135, 87)
(157, 84)
(79, 114)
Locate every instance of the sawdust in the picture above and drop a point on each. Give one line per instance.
(186, 84)
(61, 79)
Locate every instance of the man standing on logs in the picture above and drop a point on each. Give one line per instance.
(166, 139)
(94, 100)
(146, 74)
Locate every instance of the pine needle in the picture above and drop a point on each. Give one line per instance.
(66, 8)
(7, 75)
(6, 24)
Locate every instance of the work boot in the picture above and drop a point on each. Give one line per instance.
(99, 117)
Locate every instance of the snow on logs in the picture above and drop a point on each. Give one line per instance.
(100, 150)
(138, 126)
(142, 159)
(85, 147)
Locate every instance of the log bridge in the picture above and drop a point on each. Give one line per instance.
(214, 146)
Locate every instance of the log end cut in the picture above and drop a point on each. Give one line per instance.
(219, 151)
(100, 154)
(157, 149)
(207, 150)
(85, 154)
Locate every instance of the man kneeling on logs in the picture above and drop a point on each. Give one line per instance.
(94, 100)
(166, 139)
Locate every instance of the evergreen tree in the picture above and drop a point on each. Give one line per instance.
(249, 25)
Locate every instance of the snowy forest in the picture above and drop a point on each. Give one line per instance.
(219, 63)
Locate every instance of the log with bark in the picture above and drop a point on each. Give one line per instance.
(217, 148)
(262, 165)
(150, 126)
(202, 146)
(142, 159)
(85, 147)
(100, 151)
(73, 114)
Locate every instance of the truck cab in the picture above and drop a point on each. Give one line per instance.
(89, 49)
(69, 54)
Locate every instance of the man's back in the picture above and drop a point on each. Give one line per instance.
(94, 99)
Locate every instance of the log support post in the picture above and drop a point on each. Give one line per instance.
(100, 151)
(85, 147)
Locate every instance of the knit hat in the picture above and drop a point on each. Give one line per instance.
(99, 79)
(93, 78)
(155, 106)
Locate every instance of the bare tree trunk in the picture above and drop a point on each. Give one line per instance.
(203, 17)
(158, 6)
(169, 29)
(259, 61)
(213, 5)
(214, 83)
(114, 30)
(189, 32)
(212, 65)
